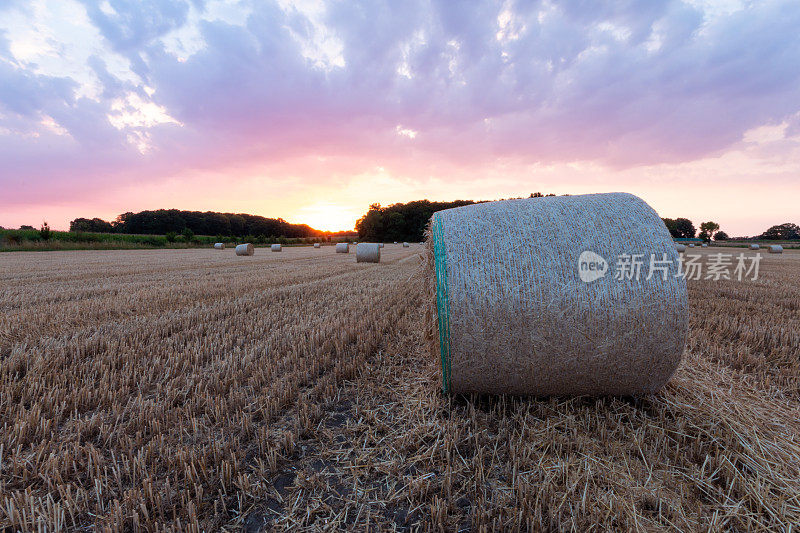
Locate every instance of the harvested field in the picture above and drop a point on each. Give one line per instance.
(196, 390)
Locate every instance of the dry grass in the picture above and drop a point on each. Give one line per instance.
(193, 390)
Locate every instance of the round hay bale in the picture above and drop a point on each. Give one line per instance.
(380, 245)
(368, 252)
(754, 246)
(395, 242)
(680, 248)
(525, 297)
(245, 249)
(275, 247)
(342, 248)
(317, 245)
(704, 245)
(691, 245)
(405, 245)
(219, 245)
(775, 249)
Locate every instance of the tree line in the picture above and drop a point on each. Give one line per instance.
(167, 221)
(407, 222)
(396, 222)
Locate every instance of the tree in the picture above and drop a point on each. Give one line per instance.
(400, 222)
(684, 228)
(25, 226)
(680, 228)
(782, 232)
(95, 225)
(721, 236)
(707, 230)
(44, 232)
(671, 226)
(188, 234)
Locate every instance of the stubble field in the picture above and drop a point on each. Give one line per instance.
(196, 390)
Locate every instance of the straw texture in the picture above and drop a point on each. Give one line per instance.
(275, 247)
(342, 248)
(509, 312)
(219, 245)
(368, 252)
(775, 249)
(245, 249)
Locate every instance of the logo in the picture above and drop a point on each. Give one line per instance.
(591, 266)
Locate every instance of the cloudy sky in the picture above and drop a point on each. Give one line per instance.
(313, 110)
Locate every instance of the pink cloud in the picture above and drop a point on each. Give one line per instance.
(305, 102)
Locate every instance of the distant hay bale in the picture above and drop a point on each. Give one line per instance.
(275, 247)
(754, 246)
(395, 242)
(704, 245)
(245, 249)
(342, 248)
(405, 245)
(522, 299)
(317, 245)
(775, 249)
(680, 248)
(380, 245)
(219, 245)
(691, 245)
(368, 252)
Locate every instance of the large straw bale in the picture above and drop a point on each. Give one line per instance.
(275, 247)
(680, 248)
(342, 248)
(775, 249)
(754, 246)
(510, 312)
(245, 249)
(368, 252)
(219, 245)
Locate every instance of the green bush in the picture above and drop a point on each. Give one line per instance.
(45, 232)
(171, 236)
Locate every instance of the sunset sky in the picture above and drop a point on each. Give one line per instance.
(311, 111)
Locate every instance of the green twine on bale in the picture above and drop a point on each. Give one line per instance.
(442, 299)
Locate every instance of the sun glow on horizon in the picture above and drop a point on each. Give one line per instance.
(328, 216)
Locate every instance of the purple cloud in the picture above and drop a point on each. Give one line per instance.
(621, 86)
